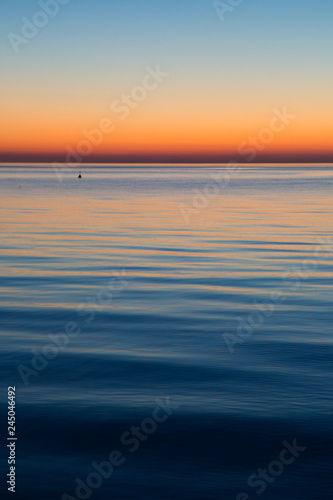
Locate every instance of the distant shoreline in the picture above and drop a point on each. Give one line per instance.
(168, 165)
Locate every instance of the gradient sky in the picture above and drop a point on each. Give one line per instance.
(225, 79)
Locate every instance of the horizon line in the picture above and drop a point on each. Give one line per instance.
(157, 164)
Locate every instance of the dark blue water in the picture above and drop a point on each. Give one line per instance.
(179, 317)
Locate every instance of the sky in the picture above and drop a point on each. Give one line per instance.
(166, 81)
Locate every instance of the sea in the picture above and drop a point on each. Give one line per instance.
(166, 332)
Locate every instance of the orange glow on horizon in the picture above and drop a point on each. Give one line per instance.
(148, 133)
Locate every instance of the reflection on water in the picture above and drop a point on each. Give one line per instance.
(153, 294)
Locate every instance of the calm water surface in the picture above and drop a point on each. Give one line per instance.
(223, 304)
